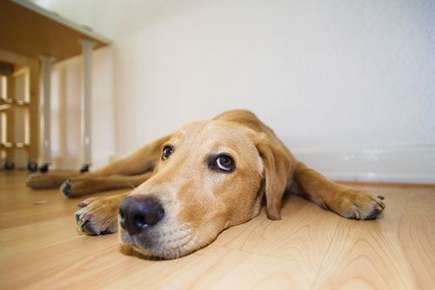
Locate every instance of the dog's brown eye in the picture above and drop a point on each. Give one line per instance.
(167, 151)
(222, 162)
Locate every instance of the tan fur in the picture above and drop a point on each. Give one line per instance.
(199, 203)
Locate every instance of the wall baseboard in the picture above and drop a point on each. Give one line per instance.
(397, 164)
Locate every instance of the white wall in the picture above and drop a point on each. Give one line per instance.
(349, 85)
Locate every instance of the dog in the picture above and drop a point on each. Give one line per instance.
(191, 185)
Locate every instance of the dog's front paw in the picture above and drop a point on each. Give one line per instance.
(73, 188)
(356, 204)
(97, 216)
(43, 181)
(36, 181)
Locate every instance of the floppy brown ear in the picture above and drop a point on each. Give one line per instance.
(277, 162)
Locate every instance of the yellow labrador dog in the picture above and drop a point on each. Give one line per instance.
(193, 184)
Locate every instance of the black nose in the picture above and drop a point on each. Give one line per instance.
(137, 213)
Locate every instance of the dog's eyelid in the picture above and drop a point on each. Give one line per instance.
(216, 163)
(167, 151)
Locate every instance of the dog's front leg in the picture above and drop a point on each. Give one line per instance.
(99, 215)
(49, 180)
(346, 201)
(137, 163)
(80, 186)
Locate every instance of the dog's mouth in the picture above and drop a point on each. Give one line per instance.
(161, 242)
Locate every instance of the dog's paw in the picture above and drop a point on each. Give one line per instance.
(66, 188)
(40, 181)
(72, 188)
(356, 204)
(35, 181)
(97, 216)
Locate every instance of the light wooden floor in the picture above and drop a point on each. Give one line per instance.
(309, 249)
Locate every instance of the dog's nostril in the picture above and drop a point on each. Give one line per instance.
(140, 221)
(121, 218)
(150, 217)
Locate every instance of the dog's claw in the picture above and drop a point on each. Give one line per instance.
(67, 188)
(380, 202)
(374, 214)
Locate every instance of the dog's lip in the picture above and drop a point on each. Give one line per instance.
(142, 240)
(152, 247)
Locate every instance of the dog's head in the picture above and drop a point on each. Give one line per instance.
(211, 175)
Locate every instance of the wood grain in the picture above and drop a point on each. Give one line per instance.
(309, 248)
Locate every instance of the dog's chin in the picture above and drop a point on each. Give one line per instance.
(160, 244)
